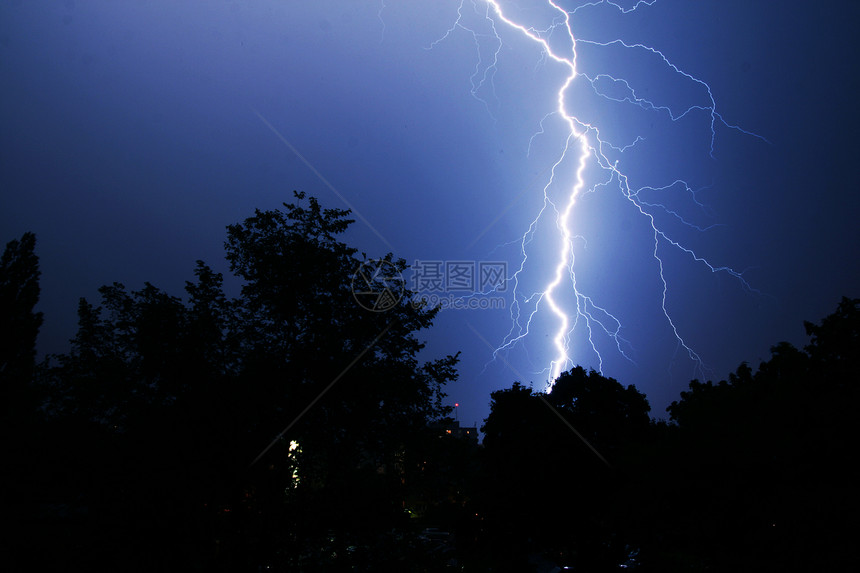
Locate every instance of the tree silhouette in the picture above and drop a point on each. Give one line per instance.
(290, 428)
(19, 327)
(243, 433)
(758, 468)
(19, 324)
(610, 416)
(548, 488)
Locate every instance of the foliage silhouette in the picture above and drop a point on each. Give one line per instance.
(163, 404)
(134, 450)
(545, 491)
(758, 473)
(19, 324)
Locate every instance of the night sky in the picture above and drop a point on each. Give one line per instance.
(132, 133)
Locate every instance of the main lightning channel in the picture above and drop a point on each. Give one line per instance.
(584, 139)
(565, 262)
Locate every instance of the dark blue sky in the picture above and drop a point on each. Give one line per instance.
(129, 140)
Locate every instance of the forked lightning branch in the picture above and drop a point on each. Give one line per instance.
(561, 299)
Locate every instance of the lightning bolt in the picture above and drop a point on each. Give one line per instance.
(561, 298)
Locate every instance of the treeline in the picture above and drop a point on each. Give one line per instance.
(291, 429)
(754, 473)
(177, 434)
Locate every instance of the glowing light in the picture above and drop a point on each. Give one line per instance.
(559, 44)
(293, 455)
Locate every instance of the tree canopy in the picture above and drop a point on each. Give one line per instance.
(19, 323)
(182, 405)
(293, 428)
